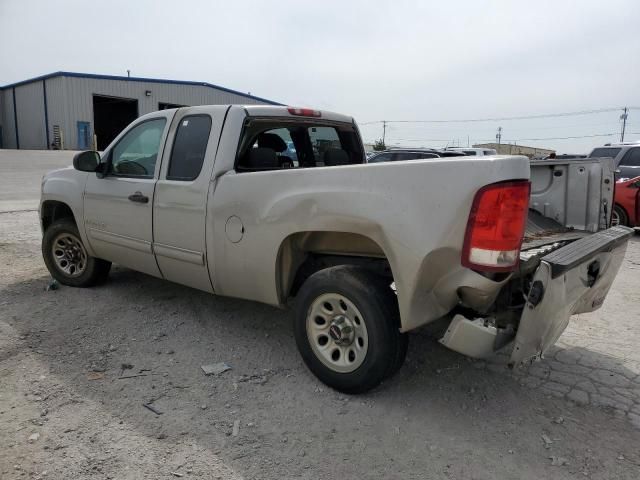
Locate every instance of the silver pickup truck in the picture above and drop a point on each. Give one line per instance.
(277, 205)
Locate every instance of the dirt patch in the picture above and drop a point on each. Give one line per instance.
(66, 411)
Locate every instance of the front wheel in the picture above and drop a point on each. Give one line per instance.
(347, 328)
(67, 259)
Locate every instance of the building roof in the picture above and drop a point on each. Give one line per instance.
(514, 145)
(135, 79)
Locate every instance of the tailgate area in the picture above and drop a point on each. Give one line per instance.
(543, 235)
(570, 280)
(582, 250)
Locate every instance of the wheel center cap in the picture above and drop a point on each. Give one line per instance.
(341, 331)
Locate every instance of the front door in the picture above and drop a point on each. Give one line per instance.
(118, 207)
(84, 134)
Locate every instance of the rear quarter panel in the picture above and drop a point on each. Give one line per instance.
(416, 212)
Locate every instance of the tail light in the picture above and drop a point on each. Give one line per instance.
(304, 112)
(496, 226)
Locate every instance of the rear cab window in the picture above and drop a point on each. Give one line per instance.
(282, 143)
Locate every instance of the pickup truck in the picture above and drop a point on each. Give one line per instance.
(501, 250)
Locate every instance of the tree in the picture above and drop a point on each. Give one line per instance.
(379, 145)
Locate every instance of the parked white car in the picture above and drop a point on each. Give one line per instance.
(209, 197)
(477, 152)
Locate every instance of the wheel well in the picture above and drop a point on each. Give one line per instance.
(53, 211)
(624, 210)
(305, 253)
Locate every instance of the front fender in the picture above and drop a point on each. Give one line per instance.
(67, 186)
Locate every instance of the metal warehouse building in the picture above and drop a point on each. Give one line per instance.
(75, 110)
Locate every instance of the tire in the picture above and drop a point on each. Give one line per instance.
(619, 216)
(362, 324)
(67, 259)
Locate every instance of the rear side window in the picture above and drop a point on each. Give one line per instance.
(272, 144)
(189, 148)
(604, 152)
(632, 158)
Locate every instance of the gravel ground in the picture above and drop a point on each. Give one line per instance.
(66, 412)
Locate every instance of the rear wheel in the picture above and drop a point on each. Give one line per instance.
(346, 328)
(67, 259)
(619, 216)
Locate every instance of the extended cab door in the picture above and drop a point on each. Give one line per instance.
(118, 208)
(180, 203)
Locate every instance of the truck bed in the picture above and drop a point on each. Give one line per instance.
(569, 200)
(541, 230)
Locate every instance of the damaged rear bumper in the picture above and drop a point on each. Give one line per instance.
(572, 279)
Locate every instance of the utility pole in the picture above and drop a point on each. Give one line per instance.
(384, 130)
(623, 117)
(499, 135)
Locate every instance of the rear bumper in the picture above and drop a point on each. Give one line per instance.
(573, 279)
(570, 280)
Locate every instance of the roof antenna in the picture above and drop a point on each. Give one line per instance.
(128, 73)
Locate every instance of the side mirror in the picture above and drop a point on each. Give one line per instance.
(86, 161)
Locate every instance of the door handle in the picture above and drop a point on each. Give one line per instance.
(139, 198)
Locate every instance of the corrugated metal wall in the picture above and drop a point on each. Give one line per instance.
(8, 125)
(57, 106)
(70, 100)
(30, 103)
(80, 91)
(2, 120)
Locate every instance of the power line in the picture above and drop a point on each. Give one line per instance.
(562, 138)
(420, 140)
(497, 119)
(512, 140)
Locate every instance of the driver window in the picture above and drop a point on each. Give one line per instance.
(136, 153)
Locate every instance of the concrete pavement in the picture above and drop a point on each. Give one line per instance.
(21, 173)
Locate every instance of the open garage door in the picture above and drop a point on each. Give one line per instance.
(110, 116)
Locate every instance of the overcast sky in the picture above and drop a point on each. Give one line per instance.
(396, 60)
